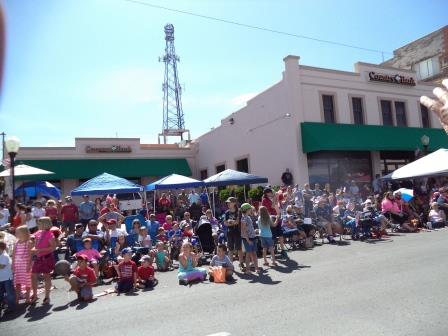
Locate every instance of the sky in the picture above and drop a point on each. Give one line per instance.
(89, 68)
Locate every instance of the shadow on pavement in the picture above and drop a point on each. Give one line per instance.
(289, 266)
(36, 313)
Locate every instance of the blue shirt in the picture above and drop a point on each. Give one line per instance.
(87, 210)
(265, 229)
(153, 228)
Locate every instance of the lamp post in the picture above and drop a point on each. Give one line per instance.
(425, 142)
(12, 145)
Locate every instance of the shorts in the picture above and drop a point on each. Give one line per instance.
(307, 228)
(234, 240)
(288, 232)
(86, 292)
(250, 247)
(124, 286)
(44, 264)
(69, 225)
(148, 283)
(276, 231)
(266, 242)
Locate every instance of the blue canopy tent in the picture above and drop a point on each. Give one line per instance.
(106, 184)
(233, 177)
(31, 189)
(173, 181)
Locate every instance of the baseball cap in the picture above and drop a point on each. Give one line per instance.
(126, 250)
(68, 198)
(87, 239)
(245, 207)
(231, 200)
(78, 225)
(111, 221)
(82, 257)
(267, 190)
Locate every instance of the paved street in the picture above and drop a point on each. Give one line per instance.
(394, 287)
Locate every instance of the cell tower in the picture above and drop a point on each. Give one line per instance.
(173, 115)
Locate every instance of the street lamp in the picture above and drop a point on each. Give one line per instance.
(12, 145)
(425, 142)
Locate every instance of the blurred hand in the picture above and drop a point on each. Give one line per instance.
(440, 104)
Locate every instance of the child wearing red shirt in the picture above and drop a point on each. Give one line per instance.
(127, 272)
(145, 273)
(83, 279)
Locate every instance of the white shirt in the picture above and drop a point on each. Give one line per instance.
(117, 232)
(38, 212)
(5, 214)
(5, 273)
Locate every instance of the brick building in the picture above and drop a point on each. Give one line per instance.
(427, 56)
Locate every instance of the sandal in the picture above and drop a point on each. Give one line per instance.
(33, 300)
(46, 300)
(266, 264)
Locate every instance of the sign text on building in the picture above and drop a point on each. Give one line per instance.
(394, 79)
(111, 149)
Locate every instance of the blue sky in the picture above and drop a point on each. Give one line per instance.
(89, 68)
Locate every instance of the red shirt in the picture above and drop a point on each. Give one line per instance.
(267, 203)
(86, 273)
(69, 212)
(145, 273)
(164, 202)
(127, 270)
(106, 210)
(51, 212)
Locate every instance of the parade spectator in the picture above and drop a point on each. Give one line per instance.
(183, 197)
(153, 226)
(95, 234)
(168, 225)
(233, 230)
(194, 197)
(6, 279)
(4, 214)
(83, 279)
(127, 272)
(30, 220)
(436, 216)
(19, 218)
(264, 224)
(271, 204)
(111, 214)
(164, 203)
(376, 184)
(324, 220)
(287, 178)
(249, 238)
(145, 273)
(93, 256)
(188, 262)
(307, 195)
(162, 257)
(144, 239)
(317, 190)
(87, 210)
(204, 197)
(186, 221)
(52, 211)
(195, 211)
(21, 262)
(44, 261)
(221, 260)
(74, 240)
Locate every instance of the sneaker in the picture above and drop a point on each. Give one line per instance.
(284, 254)
(210, 278)
(183, 282)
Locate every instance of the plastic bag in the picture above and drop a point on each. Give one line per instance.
(219, 274)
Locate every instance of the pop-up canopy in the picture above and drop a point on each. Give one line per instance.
(233, 177)
(31, 189)
(106, 184)
(174, 181)
(434, 164)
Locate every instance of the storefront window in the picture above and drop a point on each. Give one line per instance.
(391, 161)
(339, 168)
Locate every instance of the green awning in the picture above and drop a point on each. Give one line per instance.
(349, 137)
(86, 169)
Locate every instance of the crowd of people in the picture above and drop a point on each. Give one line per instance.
(95, 241)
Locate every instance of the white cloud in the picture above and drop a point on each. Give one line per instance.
(129, 86)
(242, 99)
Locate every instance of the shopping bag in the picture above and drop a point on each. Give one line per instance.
(219, 274)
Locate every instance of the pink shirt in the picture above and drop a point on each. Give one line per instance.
(91, 254)
(387, 206)
(43, 241)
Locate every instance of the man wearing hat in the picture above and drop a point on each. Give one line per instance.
(83, 279)
(69, 213)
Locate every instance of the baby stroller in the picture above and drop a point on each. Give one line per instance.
(368, 226)
(205, 241)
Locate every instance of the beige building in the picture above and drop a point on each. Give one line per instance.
(324, 126)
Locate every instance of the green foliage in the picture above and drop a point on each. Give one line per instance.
(256, 194)
(239, 194)
(224, 194)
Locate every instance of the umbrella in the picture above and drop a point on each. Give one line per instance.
(31, 189)
(23, 170)
(406, 194)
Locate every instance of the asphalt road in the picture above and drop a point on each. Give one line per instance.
(392, 287)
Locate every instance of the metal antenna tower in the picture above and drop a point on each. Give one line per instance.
(173, 115)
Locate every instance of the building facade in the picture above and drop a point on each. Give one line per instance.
(324, 126)
(124, 157)
(427, 56)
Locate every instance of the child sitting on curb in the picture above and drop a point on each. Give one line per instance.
(221, 260)
(145, 273)
(83, 279)
(162, 258)
(188, 270)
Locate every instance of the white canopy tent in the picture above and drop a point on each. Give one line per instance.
(434, 164)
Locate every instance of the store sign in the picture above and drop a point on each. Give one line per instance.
(111, 149)
(394, 79)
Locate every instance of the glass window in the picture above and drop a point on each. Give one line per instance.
(386, 112)
(400, 113)
(328, 105)
(426, 123)
(427, 68)
(204, 174)
(358, 114)
(242, 165)
(220, 168)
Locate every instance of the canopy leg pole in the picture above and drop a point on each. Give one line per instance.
(145, 199)
(213, 197)
(154, 209)
(244, 188)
